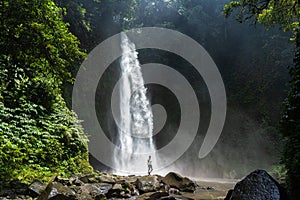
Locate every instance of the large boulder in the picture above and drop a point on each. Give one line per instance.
(130, 179)
(89, 178)
(158, 195)
(61, 192)
(36, 188)
(181, 183)
(257, 185)
(95, 189)
(147, 184)
(130, 187)
(106, 178)
(117, 191)
(64, 181)
(229, 193)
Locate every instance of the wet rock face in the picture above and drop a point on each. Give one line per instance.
(95, 190)
(118, 191)
(147, 184)
(181, 183)
(59, 191)
(257, 185)
(228, 196)
(36, 188)
(105, 178)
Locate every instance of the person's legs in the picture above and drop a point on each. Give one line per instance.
(150, 169)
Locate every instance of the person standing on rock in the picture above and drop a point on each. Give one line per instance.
(149, 163)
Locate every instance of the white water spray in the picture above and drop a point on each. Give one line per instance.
(136, 119)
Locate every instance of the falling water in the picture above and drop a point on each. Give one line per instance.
(136, 119)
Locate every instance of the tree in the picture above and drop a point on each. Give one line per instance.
(92, 21)
(286, 15)
(39, 135)
(33, 34)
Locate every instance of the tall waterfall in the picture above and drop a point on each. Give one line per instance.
(136, 120)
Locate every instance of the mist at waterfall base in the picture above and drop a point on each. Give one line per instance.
(244, 144)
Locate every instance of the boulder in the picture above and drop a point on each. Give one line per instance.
(181, 183)
(229, 193)
(158, 195)
(75, 180)
(134, 191)
(257, 185)
(105, 178)
(104, 187)
(117, 191)
(90, 178)
(174, 191)
(36, 188)
(61, 192)
(130, 179)
(100, 197)
(117, 187)
(64, 181)
(76, 189)
(129, 186)
(95, 189)
(45, 194)
(93, 180)
(210, 188)
(147, 184)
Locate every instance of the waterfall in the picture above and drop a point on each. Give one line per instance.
(135, 141)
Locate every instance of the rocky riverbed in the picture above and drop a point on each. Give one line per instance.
(101, 186)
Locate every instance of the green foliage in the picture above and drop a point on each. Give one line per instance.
(94, 20)
(36, 140)
(279, 172)
(270, 13)
(39, 135)
(33, 34)
(290, 125)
